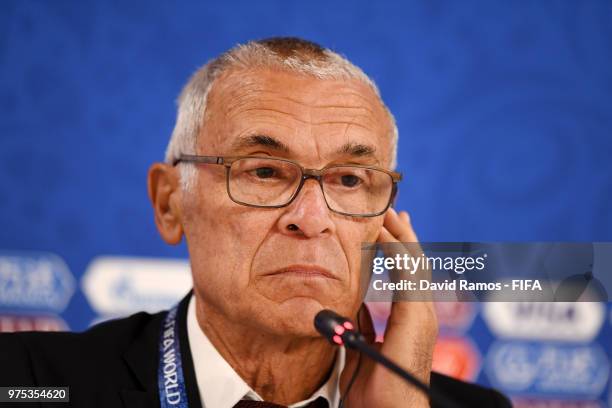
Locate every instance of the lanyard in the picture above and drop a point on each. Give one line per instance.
(170, 380)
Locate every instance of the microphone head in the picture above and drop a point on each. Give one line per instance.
(332, 326)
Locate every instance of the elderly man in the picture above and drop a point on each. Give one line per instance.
(279, 167)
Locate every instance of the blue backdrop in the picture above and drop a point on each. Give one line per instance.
(504, 111)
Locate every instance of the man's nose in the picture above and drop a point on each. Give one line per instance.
(308, 215)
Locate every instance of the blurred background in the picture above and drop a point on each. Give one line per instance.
(505, 118)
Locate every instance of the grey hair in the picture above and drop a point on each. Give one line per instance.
(293, 54)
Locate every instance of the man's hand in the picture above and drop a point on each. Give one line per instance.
(409, 340)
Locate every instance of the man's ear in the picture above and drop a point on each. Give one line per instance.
(165, 194)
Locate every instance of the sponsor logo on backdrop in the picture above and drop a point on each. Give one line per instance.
(565, 321)
(456, 357)
(34, 281)
(545, 403)
(117, 286)
(548, 369)
(15, 323)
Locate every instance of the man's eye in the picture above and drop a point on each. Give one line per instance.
(265, 172)
(349, 180)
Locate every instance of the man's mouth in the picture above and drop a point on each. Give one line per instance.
(304, 271)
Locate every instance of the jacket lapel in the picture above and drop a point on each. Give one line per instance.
(138, 399)
(142, 359)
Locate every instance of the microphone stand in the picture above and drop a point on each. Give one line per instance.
(340, 331)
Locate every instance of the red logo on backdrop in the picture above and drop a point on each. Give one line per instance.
(456, 357)
(9, 324)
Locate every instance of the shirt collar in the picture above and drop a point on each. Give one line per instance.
(221, 387)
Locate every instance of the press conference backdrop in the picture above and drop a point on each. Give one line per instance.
(505, 118)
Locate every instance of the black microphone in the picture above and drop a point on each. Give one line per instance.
(341, 331)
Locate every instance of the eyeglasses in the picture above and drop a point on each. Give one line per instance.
(269, 182)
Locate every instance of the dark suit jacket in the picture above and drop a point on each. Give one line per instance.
(114, 364)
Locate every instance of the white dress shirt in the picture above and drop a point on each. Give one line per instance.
(221, 387)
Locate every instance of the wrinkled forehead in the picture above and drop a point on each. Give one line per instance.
(300, 112)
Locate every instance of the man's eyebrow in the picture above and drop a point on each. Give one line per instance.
(260, 140)
(357, 150)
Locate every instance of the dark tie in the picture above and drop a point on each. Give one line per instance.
(318, 403)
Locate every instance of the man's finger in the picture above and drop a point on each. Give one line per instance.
(385, 236)
(399, 226)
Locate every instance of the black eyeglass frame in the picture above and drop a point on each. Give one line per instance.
(316, 174)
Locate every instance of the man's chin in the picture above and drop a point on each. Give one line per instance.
(295, 316)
